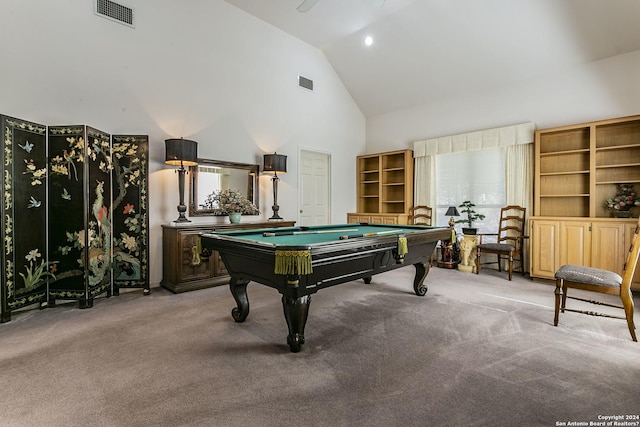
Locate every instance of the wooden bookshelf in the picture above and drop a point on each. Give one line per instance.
(384, 187)
(577, 168)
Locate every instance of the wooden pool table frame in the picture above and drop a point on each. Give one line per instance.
(333, 262)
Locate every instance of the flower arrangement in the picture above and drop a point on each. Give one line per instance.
(625, 199)
(229, 201)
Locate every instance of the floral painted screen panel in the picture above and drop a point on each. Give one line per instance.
(25, 268)
(79, 213)
(130, 217)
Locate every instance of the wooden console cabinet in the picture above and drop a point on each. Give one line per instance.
(384, 188)
(601, 243)
(183, 269)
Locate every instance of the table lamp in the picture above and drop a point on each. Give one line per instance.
(451, 212)
(181, 152)
(274, 164)
(450, 247)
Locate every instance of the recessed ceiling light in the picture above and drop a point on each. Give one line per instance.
(368, 40)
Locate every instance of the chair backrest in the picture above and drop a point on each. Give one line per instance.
(511, 228)
(420, 215)
(632, 260)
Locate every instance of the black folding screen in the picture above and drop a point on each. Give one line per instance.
(79, 213)
(25, 265)
(130, 218)
(75, 221)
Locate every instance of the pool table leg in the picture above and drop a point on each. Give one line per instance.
(239, 291)
(296, 311)
(422, 269)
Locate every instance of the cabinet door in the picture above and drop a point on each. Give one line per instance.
(544, 248)
(352, 219)
(390, 220)
(574, 243)
(364, 218)
(192, 266)
(608, 247)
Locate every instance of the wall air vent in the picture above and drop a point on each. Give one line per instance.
(114, 11)
(305, 83)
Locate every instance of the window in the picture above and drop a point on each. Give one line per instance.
(471, 175)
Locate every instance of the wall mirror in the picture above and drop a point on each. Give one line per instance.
(216, 175)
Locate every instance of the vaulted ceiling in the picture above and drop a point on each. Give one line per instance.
(430, 50)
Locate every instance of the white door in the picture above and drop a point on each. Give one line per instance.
(314, 190)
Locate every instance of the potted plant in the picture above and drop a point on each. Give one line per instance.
(472, 216)
(230, 202)
(625, 199)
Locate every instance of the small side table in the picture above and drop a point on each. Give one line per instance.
(468, 253)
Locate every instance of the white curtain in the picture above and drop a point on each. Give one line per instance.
(518, 165)
(519, 184)
(425, 183)
(517, 137)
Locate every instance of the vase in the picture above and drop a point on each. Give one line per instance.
(234, 217)
(622, 214)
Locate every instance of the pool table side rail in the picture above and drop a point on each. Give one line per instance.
(325, 257)
(416, 232)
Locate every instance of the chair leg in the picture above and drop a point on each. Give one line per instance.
(558, 293)
(499, 262)
(510, 265)
(627, 303)
(565, 289)
(477, 260)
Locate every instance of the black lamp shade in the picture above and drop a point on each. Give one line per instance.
(452, 211)
(275, 163)
(181, 151)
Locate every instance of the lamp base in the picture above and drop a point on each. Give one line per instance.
(182, 211)
(276, 216)
(182, 208)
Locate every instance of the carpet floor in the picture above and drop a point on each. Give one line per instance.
(477, 350)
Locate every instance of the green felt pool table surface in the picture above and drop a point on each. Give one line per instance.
(314, 235)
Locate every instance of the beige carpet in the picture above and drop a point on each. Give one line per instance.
(477, 350)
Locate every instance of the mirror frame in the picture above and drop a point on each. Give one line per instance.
(254, 171)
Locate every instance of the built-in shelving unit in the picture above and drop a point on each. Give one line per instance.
(384, 187)
(577, 168)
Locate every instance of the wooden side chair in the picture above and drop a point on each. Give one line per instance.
(420, 215)
(509, 240)
(603, 281)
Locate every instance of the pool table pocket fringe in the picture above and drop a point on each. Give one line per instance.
(293, 262)
(402, 246)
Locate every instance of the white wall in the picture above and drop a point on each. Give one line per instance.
(202, 70)
(605, 89)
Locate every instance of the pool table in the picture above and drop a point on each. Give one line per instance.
(299, 261)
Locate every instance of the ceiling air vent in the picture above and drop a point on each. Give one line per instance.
(114, 11)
